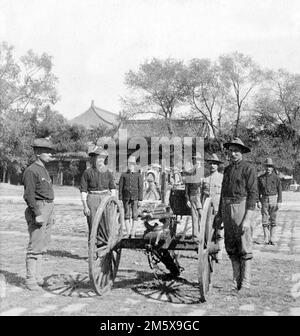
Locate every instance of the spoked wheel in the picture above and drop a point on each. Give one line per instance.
(204, 258)
(104, 253)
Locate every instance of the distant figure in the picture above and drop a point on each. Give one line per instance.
(39, 214)
(212, 189)
(131, 192)
(152, 192)
(193, 188)
(270, 196)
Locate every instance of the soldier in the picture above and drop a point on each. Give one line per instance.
(193, 189)
(131, 192)
(213, 184)
(97, 182)
(39, 196)
(239, 195)
(270, 196)
(213, 181)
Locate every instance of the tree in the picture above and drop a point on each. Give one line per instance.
(15, 143)
(244, 75)
(278, 111)
(27, 86)
(160, 88)
(207, 93)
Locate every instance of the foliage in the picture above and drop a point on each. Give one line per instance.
(244, 75)
(160, 87)
(27, 87)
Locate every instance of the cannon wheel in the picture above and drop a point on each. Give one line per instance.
(104, 254)
(204, 258)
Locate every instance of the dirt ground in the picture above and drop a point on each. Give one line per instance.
(275, 281)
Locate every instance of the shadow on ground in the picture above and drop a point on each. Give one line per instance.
(13, 278)
(64, 254)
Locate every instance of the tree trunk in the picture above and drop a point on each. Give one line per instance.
(169, 126)
(4, 174)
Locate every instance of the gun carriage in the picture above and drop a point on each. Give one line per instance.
(159, 241)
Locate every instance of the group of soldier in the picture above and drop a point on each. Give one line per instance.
(234, 195)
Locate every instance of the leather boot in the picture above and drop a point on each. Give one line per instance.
(246, 274)
(133, 229)
(272, 234)
(38, 276)
(236, 268)
(266, 234)
(30, 281)
(127, 227)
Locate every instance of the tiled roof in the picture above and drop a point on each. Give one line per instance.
(158, 127)
(95, 116)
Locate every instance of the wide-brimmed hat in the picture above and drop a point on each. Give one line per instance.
(269, 162)
(131, 159)
(237, 142)
(43, 143)
(97, 150)
(214, 158)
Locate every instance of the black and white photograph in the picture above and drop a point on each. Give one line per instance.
(149, 161)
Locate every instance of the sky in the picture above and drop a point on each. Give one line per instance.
(94, 43)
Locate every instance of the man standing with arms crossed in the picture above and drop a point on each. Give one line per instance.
(239, 195)
(39, 196)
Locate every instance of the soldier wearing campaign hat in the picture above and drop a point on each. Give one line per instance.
(239, 195)
(270, 196)
(39, 214)
(96, 183)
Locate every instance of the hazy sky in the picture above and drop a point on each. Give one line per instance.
(95, 42)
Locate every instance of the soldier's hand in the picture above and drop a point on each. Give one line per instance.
(39, 220)
(258, 204)
(188, 203)
(86, 211)
(246, 224)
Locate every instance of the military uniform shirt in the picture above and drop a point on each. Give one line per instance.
(131, 186)
(94, 180)
(37, 186)
(270, 185)
(239, 181)
(213, 185)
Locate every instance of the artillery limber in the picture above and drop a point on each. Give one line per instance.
(159, 240)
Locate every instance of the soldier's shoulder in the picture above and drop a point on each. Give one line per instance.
(31, 168)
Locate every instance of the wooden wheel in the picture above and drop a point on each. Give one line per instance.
(204, 258)
(104, 254)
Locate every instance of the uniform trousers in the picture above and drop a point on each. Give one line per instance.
(269, 210)
(39, 235)
(238, 241)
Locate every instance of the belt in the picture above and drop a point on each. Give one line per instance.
(269, 195)
(233, 200)
(98, 192)
(44, 200)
